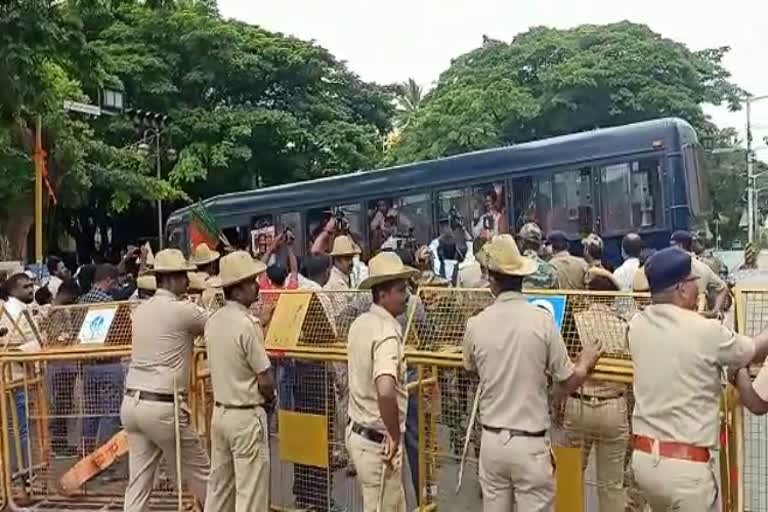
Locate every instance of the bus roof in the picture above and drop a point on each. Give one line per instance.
(528, 157)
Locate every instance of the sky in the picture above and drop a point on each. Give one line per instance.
(391, 41)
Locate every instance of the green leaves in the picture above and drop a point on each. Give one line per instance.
(549, 82)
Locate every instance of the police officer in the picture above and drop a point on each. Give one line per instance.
(713, 291)
(570, 269)
(377, 380)
(678, 357)
(146, 285)
(206, 260)
(514, 346)
(164, 329)
(596, 416)
(545, 276)
(242, 392)
(342, 258)
(593, 250)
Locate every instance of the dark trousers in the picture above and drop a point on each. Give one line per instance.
(313, 394)
(412, 436)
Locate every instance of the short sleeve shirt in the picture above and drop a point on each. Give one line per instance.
(374, 349)
(678, 356)
(337, 280)
(164, 330)
(514, 347)
(236, 355)
(570, 270)
(709, 283)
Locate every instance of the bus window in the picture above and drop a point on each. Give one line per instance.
(630, 194)
(572, 202)
(399, 222)
(347, 219)
(452, 208)
(489, 211)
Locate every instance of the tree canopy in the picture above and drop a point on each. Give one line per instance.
(247, 107)
(549, 82)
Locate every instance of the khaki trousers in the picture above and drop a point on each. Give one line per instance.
(516, 470)
(679, 485)
(368, 458)
(151, 435)
(239, 461)
(604, 426)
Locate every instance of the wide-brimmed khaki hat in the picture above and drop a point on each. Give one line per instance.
(502, 255)
(197, 281)
(146, 282)
(238, 266)
(171, 260)
(386, 266)
(344, 246)
(204, 255)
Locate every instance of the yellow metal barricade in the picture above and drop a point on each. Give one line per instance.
(751, 454)
(63, 445)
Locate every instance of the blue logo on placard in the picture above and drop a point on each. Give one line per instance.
(555, 304)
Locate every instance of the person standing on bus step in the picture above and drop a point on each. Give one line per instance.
(631, 246)
(570, 269)
(545, 276)
(515, 347)
(678, 357)
(206, 260)
(243, 392)
(377, 385)
(713, 292)
(164, 331)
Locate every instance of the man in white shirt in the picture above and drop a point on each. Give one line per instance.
(631, 246)
(58, 272)
(20, 295)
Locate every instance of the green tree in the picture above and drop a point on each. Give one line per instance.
(549, 82)
(44, 60)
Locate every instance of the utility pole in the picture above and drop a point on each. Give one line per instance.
(39, 163)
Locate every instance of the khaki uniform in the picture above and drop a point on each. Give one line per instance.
(514, 346)
(239, 429)
(375, 348)
(164, 329)
(678, 357)
(570, 270)
(337, 280)
(597, 416)
(709, 283)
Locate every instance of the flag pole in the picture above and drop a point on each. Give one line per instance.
(39, 191)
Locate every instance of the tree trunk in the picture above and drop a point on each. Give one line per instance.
(16, 230)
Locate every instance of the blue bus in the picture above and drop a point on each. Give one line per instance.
(643, 177)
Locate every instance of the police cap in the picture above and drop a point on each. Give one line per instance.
(668, 267)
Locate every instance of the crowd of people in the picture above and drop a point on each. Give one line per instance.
(515, 349)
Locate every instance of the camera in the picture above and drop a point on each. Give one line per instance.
(342, 224)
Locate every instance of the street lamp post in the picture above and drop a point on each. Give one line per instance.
(750, 169)
(155, 125)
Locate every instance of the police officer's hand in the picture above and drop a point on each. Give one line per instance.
(392, 454)
(589, 355)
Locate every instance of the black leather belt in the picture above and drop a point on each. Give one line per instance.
(514, 432)
(240, 407)
(368, 433)
(149, 396)
(592, 398)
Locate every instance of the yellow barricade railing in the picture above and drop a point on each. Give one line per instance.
(48, 394)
